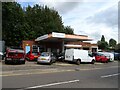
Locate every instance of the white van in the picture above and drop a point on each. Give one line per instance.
(78, 56)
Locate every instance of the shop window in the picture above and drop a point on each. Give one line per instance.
(85, 48)
(35, 48)
(94, 49)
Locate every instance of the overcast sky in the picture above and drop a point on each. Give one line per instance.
(87, 17)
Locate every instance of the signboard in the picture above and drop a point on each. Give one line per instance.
(70, 45)
(58, 35)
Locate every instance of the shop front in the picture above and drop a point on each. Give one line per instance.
(58, 42)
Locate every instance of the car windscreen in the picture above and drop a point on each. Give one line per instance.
(34, 53)
(90, 54)
(14, 47)
(45, 54)
(99, 54)
(15, 51)
(105, 54)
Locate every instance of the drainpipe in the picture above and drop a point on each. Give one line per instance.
(38, 49)
(63, 46)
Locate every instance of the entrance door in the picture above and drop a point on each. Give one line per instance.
(27, 49)
(48, 49)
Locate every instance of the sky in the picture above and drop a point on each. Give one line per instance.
(93, 18)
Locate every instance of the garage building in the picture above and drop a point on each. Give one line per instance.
(58, 42)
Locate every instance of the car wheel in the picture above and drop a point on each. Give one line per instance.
(51, 62)
(38, 63)
(93, 61)
(78, 62)
(6, 62)
(101, 61)
(107, 61)
(2, 57)
(23, 62)
(27, 59)
(63, 60)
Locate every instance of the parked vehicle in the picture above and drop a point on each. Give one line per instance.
(46, 57)
(31, 56)
(116, 56)
(101, 57)
(61, 57)
(1, 56)
(15, 56)
(78, 56)
(108, 55)
(2, 49)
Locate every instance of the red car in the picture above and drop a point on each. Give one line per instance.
(15, 56)
(101, 58)
(31, 56)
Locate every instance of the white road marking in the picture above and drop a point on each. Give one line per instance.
(46, 85)
(110, 75)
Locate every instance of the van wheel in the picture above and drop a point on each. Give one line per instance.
(78, 62)
(93, 61)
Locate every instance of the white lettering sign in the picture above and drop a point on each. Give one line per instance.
(58, 35)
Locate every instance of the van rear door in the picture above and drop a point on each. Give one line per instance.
(69, 54)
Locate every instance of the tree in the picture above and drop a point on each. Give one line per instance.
(112, 43)
(68, 30)
(28, 24)
(12, 23)
(102, 38)
(117, 47)
(43, 20)
(102, 44)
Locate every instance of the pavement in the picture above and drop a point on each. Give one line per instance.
(34, 68)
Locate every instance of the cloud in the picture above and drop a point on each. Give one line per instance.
(106, 23)
(88, 17)
(65, 7)
(61, 7)
(109, 17)
(95, 20)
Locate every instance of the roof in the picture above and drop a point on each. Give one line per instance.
(66, 37)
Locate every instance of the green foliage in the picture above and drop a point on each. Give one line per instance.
(12, 23)
(28, 24)
(117, 47)
(102, 44)
(112, 43)
(105, 46)
(102, 38)
(68, 30)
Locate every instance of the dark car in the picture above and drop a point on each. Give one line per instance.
(117, 56)
(15, 56)
(60, 57)
(32, 56)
